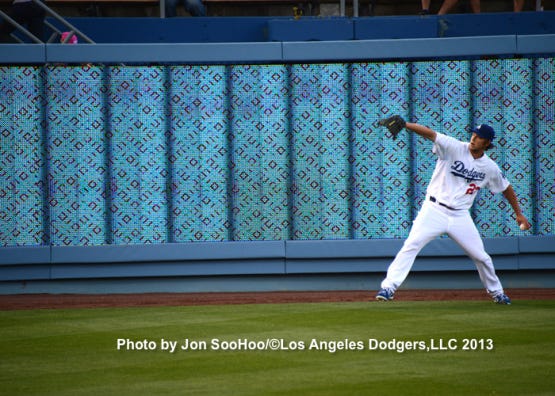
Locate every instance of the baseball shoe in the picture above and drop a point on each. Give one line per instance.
(502, 298)
(385, 294)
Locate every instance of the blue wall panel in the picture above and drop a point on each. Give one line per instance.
(262, 29)
(259, 152)
(310, 29)
(76, 146)
(199, 153)
(544, 144)
(138, 155)
(320, 151)
(261, 258)
(22, 162)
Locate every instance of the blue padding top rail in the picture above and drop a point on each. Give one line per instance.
(279, 52)
(399, 49)
(166, 53)
(257, 258)
(169, 252)
(256, 250)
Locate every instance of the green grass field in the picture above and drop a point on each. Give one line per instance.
(495, 350)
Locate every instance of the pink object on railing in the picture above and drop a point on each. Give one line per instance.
(72, 40)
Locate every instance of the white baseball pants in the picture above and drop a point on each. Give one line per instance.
(432, 221)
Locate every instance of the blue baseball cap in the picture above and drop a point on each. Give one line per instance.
(484, 131)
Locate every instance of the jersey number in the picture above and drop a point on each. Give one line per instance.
(472, 188)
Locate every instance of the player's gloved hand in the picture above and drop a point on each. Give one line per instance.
(394, 124)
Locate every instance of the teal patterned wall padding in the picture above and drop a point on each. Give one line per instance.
(138, 154)
(21, 157)
(94, 155)
(543, 120)
(199, 108)
(260, 156)
(319, 96)
(76, 145)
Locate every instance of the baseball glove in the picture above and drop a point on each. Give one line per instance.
(394, 124)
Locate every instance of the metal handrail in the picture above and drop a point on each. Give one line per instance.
(20, 28)
(64, 22)
(52, 13)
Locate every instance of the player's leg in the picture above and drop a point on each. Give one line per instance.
(171, 8)
(475, 6)
(429, 224)
(425, 7)
(464, 232)
(446, 6)
(195, 7)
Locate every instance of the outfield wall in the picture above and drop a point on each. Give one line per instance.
(221, 161)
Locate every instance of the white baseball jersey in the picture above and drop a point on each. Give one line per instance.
(458, 176)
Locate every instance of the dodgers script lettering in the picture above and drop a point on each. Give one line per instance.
(459, 169)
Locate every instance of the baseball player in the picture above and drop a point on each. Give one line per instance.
(462, 169)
